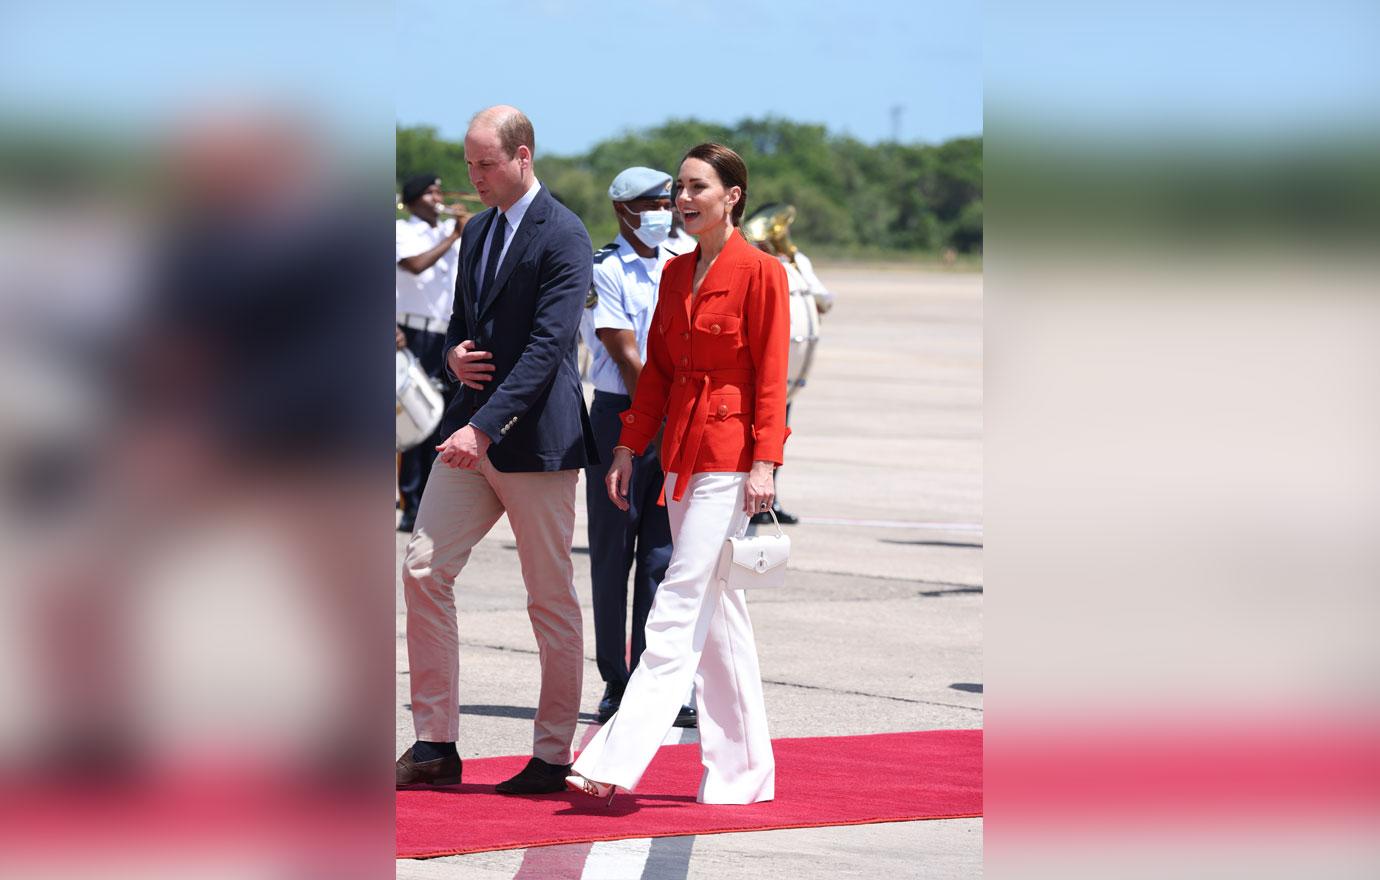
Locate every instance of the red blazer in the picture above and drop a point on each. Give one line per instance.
(716, 366)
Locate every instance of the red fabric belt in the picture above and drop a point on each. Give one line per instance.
(693, 437)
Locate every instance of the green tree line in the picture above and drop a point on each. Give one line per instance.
(850, 197)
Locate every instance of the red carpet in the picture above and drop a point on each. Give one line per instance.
(844, 780)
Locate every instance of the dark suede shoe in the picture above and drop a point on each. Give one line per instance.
(764, 519)
(427, 774)
(688, 717)
(786, 519)
(613, 696)
(538, 777)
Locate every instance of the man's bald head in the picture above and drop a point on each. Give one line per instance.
(511, 125)
(498, 154)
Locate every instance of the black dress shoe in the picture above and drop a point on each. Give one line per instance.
(427, 774)
(613, 697)
(688, 717)
(407, 523)
(764, 519)
(538, 777)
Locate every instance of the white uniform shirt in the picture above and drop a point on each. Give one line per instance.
(681, 243)
(626, 284)
(432, 293)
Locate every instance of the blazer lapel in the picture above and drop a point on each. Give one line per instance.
(531, 221)
(688, 295)
(720, 277)
(469, 268)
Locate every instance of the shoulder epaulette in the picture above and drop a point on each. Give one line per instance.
(605, 252)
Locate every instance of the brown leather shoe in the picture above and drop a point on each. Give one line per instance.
(427, 774)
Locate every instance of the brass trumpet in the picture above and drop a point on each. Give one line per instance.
(771, 224)
(456, 200)
(462, 196)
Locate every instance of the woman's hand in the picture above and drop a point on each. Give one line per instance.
(760, 491)
(620, 473)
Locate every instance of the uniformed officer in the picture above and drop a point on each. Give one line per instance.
(426, 249)
(626, 274)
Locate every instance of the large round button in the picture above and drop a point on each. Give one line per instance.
(715, 329)
(629, 418)
(723, 410)
(685, 336)
(682, 380)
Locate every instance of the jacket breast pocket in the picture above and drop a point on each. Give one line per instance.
(710, 326)
(524, 274)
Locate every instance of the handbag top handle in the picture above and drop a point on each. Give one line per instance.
(779, 533)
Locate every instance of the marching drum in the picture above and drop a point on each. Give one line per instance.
(804, 334)
(420, 404)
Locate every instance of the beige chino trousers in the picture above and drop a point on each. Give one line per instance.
(458, 509)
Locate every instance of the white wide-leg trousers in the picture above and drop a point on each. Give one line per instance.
(701, 633)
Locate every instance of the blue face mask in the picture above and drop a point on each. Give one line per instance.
(655, 227)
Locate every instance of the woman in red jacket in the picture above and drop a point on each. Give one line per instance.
(716, 372)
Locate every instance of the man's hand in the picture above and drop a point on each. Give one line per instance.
(402, 339)
(468, 365)
(464, 448)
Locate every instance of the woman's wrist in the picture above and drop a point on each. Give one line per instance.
(627, 449)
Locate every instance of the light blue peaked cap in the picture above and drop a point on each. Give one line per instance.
(640, 183)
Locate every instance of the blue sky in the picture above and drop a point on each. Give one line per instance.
(587, 71)
(125, 66)
(1181, 68)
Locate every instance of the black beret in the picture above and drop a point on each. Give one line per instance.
(417, 184)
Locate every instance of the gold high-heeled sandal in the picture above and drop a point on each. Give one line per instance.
(576, 782)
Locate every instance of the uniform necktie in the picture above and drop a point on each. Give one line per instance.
(495, 256)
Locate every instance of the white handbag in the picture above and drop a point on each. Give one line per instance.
(754, 562)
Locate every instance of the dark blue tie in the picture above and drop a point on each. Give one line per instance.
(495, 257)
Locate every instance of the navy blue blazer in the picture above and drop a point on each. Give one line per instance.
(534, 408)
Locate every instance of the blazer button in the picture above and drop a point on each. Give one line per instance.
(628, 418)
(685, 362)
(723, 410)
(685, 336)
(715, 329)
(682, 380)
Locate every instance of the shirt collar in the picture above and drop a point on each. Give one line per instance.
(627, 254)
(515, 214)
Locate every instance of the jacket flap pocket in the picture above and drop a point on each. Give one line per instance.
(723, 404)
(716, 325)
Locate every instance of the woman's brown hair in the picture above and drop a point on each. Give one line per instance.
(730, 167)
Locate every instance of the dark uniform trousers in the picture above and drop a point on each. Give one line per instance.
(638, 541)
(415, 463)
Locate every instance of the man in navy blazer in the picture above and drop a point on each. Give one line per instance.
(517, 434)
